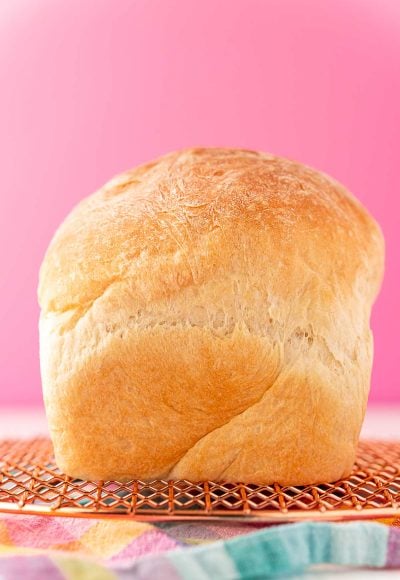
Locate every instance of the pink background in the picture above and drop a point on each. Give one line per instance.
(91, 87)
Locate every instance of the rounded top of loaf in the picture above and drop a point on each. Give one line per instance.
(202, 213)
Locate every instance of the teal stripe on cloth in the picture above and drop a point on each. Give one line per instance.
(292, 549)
(203, 563)
(358, 544)
(285, 549)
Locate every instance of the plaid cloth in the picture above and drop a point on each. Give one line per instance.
(37, 548)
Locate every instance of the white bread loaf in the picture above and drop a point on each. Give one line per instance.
(206, 317)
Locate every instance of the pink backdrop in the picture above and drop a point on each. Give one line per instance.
(91, 87)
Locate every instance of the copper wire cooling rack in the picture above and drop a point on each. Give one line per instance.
(30, 482)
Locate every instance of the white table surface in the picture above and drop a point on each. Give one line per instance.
(381, 422)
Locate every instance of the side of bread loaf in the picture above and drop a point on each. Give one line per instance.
(206, 316)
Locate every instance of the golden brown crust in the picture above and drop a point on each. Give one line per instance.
(206, 316)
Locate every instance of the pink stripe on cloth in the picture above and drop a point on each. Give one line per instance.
(393, 553)
(42, 532)
(151, 542)
(32, 568)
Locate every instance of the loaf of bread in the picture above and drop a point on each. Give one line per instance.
(206, 317)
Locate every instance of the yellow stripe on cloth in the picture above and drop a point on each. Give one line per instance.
(4, 535)
(18, 551)
(107, 538)
(79, 569)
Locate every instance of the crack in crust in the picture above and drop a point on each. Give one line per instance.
(219, 427)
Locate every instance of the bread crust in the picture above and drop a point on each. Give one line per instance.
(206, 316)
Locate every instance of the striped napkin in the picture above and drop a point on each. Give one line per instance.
(34, 547)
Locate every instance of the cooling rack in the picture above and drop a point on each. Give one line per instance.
(30, 482)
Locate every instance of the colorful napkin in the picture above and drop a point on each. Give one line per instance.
(52, 548)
